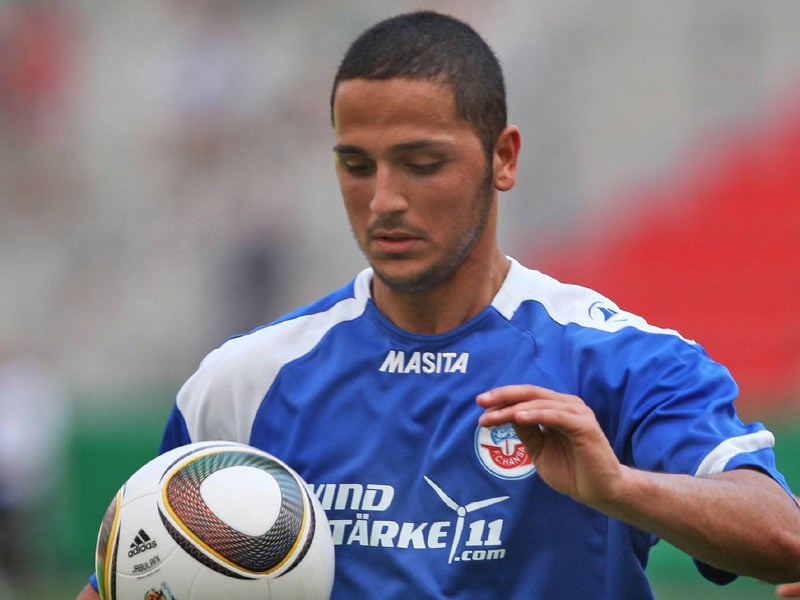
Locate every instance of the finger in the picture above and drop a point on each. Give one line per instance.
(789, 590)
(513, 394)
(556, 419)
(508, 413)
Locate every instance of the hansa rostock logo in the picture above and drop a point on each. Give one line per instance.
(502, 453)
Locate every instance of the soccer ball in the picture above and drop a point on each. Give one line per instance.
(211, 521)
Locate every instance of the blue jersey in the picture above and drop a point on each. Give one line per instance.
(424, 503)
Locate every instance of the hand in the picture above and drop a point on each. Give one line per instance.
(88, 593)
(563, 438)
(788, 590)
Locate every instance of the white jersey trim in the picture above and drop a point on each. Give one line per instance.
(566, 303)
(243, 369)
(718, 458)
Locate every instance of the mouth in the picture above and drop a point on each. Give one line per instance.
(394, 243)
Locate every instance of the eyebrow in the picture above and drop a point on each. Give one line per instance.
(347, 149)
(395, 149)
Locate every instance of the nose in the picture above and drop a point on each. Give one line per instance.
(388, 196)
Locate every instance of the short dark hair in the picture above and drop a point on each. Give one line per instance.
(430, 45)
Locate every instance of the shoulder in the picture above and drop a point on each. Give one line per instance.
(295, 333)
(234, 378)
(528, 294)
(588, 338)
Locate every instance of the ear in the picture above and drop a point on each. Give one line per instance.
(506, 151)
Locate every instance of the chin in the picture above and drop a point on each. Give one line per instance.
(408, 281)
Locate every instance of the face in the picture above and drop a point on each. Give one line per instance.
(414, 177)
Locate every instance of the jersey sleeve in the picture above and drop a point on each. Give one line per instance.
(679, 415)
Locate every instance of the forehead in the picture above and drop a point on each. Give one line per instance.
(397, 108)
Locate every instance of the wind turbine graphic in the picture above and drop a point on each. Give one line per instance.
(461, 511)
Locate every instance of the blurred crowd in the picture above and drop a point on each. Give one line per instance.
(34, 418)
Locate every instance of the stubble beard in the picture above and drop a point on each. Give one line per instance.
(443, 269)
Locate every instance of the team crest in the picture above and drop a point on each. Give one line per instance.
(502, 453)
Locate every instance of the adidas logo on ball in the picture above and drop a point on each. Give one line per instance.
(141, 543)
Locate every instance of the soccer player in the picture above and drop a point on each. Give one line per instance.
(474, 428)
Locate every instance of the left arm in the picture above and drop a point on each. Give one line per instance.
(739, 521)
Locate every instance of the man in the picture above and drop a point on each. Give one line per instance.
(593, 433)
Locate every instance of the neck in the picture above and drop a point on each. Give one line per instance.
(453, 302)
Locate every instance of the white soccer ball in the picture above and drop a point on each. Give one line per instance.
(211, 521)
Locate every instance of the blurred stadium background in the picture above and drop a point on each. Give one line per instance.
(166, 180)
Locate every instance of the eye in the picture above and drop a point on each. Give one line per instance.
(357, 165)
(425, 168)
